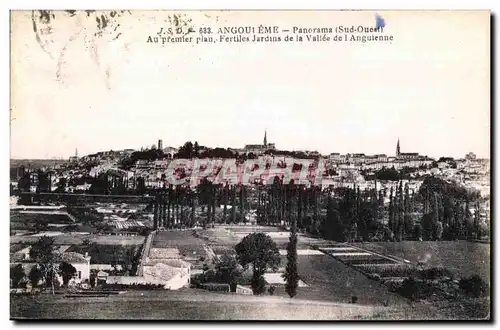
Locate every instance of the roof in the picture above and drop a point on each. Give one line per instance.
(164, 253)
(161, 272)
(73, 258)
(102, 274)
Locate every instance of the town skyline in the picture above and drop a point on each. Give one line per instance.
(77, 151)
(146, 146)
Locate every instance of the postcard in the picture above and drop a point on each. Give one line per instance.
(250, 165)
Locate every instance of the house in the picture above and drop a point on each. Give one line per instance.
(80, 262)
(77, 260)
(172, 274)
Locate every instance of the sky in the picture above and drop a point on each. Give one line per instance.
(429, 87)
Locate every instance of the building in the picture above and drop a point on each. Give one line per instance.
(470, 156)
(160, 144)
(79, 261)
(259, 149)
(405, 155)
(74, 158)
(169, 152)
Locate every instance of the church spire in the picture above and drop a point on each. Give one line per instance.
(265, 138)
(398, 151)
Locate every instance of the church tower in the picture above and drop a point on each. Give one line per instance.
(398, 151)
(265, 138)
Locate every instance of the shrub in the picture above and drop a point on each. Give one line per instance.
(413, 289)
(271, 290)
(219, 287)
(133, 286)
(434, 273)
(258, 285)
(374, 276)
(474, 286)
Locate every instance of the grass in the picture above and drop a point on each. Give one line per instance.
(462, 258)
(331, 280)
(17, 247)
(32, 218)
(186, 304)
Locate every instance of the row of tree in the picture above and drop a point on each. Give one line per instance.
(438, 210)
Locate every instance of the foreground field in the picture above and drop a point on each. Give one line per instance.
(181, 305)
(190, 304)
(462, 258)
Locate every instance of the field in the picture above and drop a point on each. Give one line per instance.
(331, 283)
(462, 258)
(185, 304)
(190, 304)
(77, 239)
(23, 221)
(331, 280)
(108, 254)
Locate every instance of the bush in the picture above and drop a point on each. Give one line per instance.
(374, 276)
(219, 287)
(271, 290)
(413, 289)
(474, 286)
(134, 286)
(434, 273)
(258, 285)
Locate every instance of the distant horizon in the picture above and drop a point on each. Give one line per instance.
(231, 147)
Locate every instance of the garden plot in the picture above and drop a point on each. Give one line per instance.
(462, 258)
(276, 279)
(222, 249)
(372, 265)
(303, 252)
(189, 247)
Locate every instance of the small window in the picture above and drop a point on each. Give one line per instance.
(79, 275)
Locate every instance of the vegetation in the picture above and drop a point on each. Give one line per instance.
(291, 275)
(474, 286)
(43, 253)
(260, 251)
(67, 272)
(16, 275)
(227, 270)
(35, 276)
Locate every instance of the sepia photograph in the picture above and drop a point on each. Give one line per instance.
(292, 165)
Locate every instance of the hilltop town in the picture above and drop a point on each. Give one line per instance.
(175, 219)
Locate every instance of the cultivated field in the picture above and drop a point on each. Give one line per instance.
(462, 258)
(77, 239)
(22, 221)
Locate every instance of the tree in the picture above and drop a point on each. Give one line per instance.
(42, 250)
(291, 275)
(35, 275)
(16, 275)
(259, 250)
(392, 213)
(439, 230)
(67, 272)
(61, 185)
(43, 253)
(227, 269)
